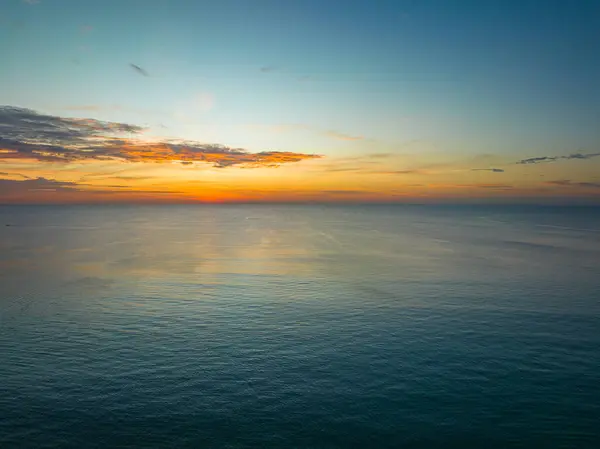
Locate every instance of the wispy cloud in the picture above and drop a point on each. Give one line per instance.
(131, 178)
(139, 70)
(494, 170)
(18, 175)
(486, 186)
(543, 159)
(11, 187)
(377, 164)
(569, 183)
(341, 136)
(346, 192)
(379, 155)
(269, 69)
(111, 107)
(290, 127)
(26, 134)
(374, 163)
(91, 107)
(398, 172)
(31, 2)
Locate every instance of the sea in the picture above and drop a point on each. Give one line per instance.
(299, 326)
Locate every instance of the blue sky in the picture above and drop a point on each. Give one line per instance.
(509, 78)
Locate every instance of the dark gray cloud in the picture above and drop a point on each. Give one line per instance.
(569, 183)
(139, 70)
(47, 137)
(4, 173)
(495, 170)
(26, 134)
(10, 187)
(542, 159)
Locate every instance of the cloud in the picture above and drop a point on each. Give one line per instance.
(90, 107)
(130, 178)
(346, 192)
(542, 159)
(113, 107)
(495, 170)
(537, 160)
(340, 136)
(379, 155)
(398, 172)
(139, 70)
(26, 134)
(268, 69)
(569, 183)
(487, 186)
(368, 164)
(31, 2)
(290, 127)
(340, 169)
(19, 175)
(11, 187)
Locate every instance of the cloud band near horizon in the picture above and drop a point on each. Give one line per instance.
(29, 135)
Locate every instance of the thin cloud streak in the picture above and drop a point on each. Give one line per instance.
(11, 187)
(397, 172)
(543, 159)
(569, 183)
(341, 136)
(494, 170)
(139, 70)
(283, 128)
(486, 186)
(346, 192)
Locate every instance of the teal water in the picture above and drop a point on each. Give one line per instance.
(299, 326)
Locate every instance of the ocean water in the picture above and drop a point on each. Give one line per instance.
(299, 326)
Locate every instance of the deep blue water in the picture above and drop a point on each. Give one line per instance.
(299, 326)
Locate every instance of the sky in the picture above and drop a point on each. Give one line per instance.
(269, 100)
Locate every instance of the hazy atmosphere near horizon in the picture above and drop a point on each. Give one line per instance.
(390, 100)
(300, 224)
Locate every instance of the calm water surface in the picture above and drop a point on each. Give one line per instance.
(299, 326)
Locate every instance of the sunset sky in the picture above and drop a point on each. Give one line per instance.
(274, 100)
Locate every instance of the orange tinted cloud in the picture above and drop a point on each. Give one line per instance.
(26, 134)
